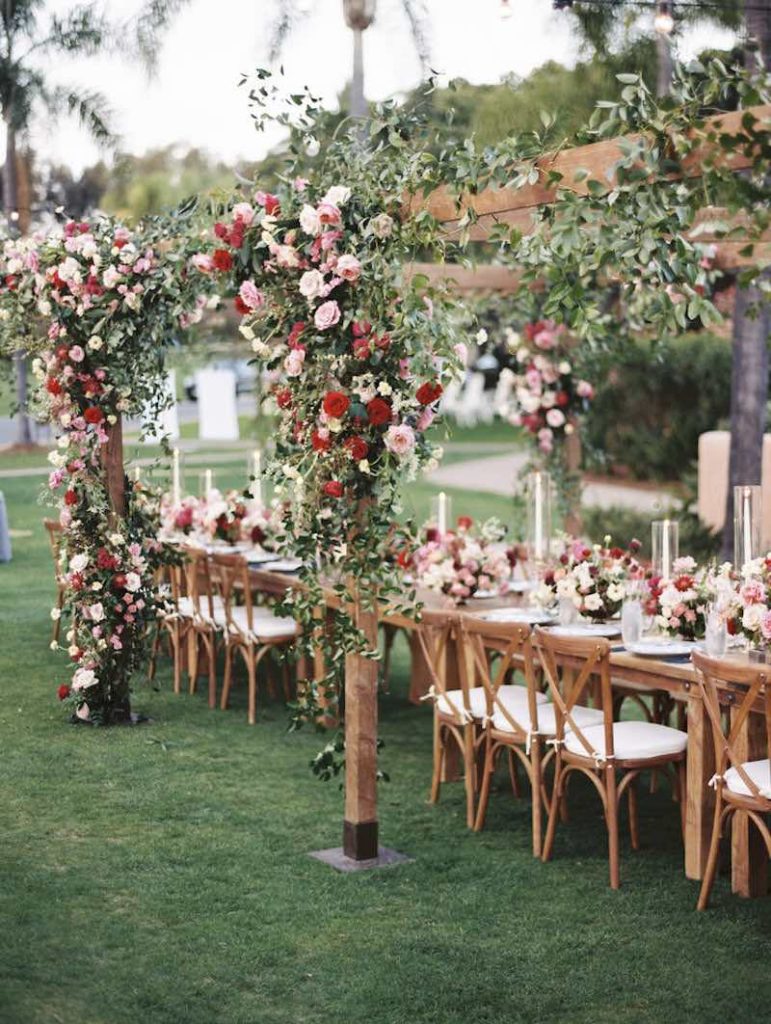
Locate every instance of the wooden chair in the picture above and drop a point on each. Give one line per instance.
(55, 539)
(250, 630)
(520, 727)
(610, 755)
(741, 787)
(176, 619)
(459, 714)
(208, 619)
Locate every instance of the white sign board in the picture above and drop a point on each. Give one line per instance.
(217, 413)
(167, 424)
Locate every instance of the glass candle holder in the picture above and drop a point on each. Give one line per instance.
(747, 523)
(441, 512)
(538, 496)
(665, 541)
(176, 476)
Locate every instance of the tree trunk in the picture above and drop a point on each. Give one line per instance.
(749, 365)
(358, 102)
(663, 63)
(11, 201)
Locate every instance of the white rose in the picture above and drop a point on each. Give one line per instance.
(337, 195)
(312, 284)
(56, 614)
(95, 343)
(310, 221)
(96, 612)
(133, 582)
(593, 602)
(78, 563)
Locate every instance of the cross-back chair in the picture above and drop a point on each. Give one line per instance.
(250, 630)
(208, 618)
(610, 754)
(176, 618)
(741, 787)
(55, 532)
(520, 726)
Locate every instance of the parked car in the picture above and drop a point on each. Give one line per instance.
(246, 377)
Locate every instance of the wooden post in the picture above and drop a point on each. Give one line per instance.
(114, 476)
(360, 827)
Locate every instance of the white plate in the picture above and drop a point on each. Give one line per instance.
(283, 565)
(529, 616)
(258, 557)
(661, 648)
(605, 629)
(521, 586)
(485, 595)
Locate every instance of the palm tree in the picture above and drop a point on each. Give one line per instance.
(32, 31)
(359, 15)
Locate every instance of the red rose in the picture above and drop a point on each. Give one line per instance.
(105, 560)
(429, 392)
(297, 328)
(378, 412)
(53, 387)
(356, 447)
(319, 443)
(119, 581)
(70, 498)
(334, 489)
(93, 414)
(336, 404)
(272, 205)
(562, 398)
(382, 342)
(361, 328)
(284, 398)
(465, 522)
(76, 581)
(361, 349)
(10, 282)
(61, 352)
(222, 260)
(63, 692)
(257, 535)
(237, 233)
(220, 230)
(241, 306)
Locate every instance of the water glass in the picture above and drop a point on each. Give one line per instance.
(568, 613)
(715, 635)
(631, 621)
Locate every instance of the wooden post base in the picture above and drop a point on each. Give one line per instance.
(360, 839)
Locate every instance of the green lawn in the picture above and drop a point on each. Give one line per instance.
(160, 874)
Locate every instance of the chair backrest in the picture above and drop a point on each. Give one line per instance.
(436, 633)
(481, 641)
(55, 532)
(198, 583)
(230, 575)
(571, 665)
(750, 688)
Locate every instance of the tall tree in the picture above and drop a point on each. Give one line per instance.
(33, 35)
(751, 327)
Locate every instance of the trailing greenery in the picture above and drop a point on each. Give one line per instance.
(653, 400)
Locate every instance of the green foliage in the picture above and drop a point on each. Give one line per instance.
(653, 401)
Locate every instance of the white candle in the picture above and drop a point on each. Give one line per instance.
(207, 482)
(176, 482)
(256, 487)
(442, 516)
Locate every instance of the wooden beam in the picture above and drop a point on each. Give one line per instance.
(484, 278)
(599, 159)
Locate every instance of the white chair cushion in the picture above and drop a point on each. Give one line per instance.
(452, 701)
(266, 626)
(758, 771)
(632, 741)
(547, 725)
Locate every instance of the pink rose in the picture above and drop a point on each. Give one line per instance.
(349, 268)
(201, 261)
(328, 213)
(251, 295)
(555, 418)
(293, 364)
(76, 354)
(425, 419)
(327, 315)
(400, 439)
(584, 389)
(765, 626)
(243, 212)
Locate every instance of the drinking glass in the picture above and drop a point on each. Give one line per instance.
(715, 634)
(631, 620)
(568, 613)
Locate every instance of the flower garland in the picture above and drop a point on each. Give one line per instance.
(110, 300)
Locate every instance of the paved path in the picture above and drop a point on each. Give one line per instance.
(497, 474)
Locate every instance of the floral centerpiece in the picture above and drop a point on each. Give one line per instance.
(463, 562)
(593, 576)
(679, 605)
(235, 517)
(547, 393)
(750, 612)
(110, 299)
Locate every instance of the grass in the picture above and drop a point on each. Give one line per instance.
(160, 874)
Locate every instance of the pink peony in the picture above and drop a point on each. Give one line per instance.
(349, 268)
(251, 295)
(327, 315)
(400, 439)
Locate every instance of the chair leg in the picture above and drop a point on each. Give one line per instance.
(551, 827)
(514, 774)
(712, 856)
(484, 793)
(537, 815)
(611, 797)
(251, 669)
(193, 653)
(682, 792)
(153, 663)
(470, 773)
(634, 827)
(212, 652)
(176, 644)
(227, 679)
(436, 779)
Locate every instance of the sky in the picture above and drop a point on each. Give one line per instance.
(194, 98)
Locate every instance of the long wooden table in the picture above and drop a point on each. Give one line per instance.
(749, 860)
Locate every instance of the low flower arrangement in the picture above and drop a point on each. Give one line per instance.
(547, 394)
(750, 613)
(593, 576)
(234, 517)
(680, 605)
(463, 562)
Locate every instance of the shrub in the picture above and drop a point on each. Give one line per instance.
(654, 402)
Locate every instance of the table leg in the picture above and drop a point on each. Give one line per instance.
(700, 799)
(749, 857)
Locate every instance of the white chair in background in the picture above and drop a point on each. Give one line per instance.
(472, 406)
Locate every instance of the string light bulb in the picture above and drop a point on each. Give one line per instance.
(663, 21)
